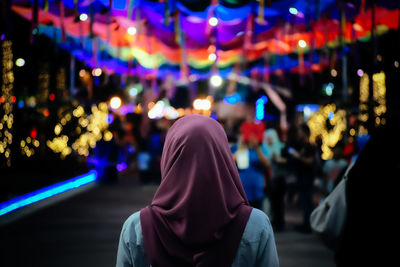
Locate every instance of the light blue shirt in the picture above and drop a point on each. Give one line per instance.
(257, 247)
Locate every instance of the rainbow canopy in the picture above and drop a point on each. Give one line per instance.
(199, 37)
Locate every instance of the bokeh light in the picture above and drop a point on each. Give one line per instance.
(216, 80)
(115, 102)
(213, 21)
(302, 43)
(20, 62)
(293, 11)
(131, 30)
(83, 17)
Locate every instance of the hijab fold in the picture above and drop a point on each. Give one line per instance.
(199, 212)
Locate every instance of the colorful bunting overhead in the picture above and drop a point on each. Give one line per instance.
(175, 35)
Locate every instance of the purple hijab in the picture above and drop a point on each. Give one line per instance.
(199, 212)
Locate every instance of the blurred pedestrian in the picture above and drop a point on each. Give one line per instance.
(306, 158)
(199, 215)
(252, 161)
(107, 155)
(333, 168)
(274, 148)
(291, 164)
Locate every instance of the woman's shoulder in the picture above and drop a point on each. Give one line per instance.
(133, 219)
(257, 247)
(258, 227)
(132, 230)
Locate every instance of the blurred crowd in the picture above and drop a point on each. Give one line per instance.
(277, 166)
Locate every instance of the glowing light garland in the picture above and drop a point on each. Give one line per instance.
(7, 86)
(28, 146)
(379, 94)
(318, 128)
(363, 106)
(95, 126)
(379, 99)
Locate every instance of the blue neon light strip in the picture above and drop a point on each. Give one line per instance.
(46, 192)
(260, 114)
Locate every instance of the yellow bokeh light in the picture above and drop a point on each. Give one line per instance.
(95, 124)
(317, 124)
(115, 102)
(57, 129)
(108, 136)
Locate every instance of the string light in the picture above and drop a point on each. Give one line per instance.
(20, 62)
(96, 72)
(318, 128)
(293, 11)
(363, 106)
(83, 17)
(212, 57)
(213, 21)
(95, 125)
(82, 73)
(216, 80)
(203, 106)
(302, 43)
(379, 94)
(60, 145)
(115, 102)
(28, 146)
(108, 136)
(131, 30)
(133, 92)
(7, 120)
(157, 110)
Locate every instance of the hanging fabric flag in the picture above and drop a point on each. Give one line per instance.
(46, 5)
(184, 64)
(109, 22)
(301, 65)
(95, 48)
(91, 13)
(342, 24)
(166, 13)
(76, 13)
(154, 83)
(362, 6)
(130, 9)
(249, 32)
(178, 29)
(35, 16)
(149, 34)
(261, 12)
(138, 24)
(63, 37)
(210, 14)
(266, 67)
(318, 14)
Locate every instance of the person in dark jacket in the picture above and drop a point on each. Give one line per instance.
(370, 234)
